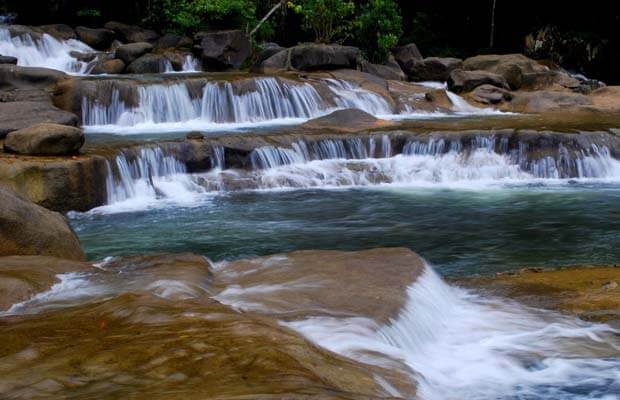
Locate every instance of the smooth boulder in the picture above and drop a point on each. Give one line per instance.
(8, 60)
(174, 41)
(112, 66)
(148, 64)
(131, 33)
(45, 140)
(59, 31)
(268, 49)
(128, 53)
(223, 50)
(433, 69)
(461, 81)
(99, 39)
(513, 67)
(314, 56)
(406, 56)
(22, 114)
(488, 94)
(390, 70)
(29, 229)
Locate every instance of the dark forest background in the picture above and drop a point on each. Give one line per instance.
(438, 27)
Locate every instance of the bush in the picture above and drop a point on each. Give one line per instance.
(329, 19)
(378, 29)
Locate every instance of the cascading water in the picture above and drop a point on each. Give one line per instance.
(45, 51)
(349, 95)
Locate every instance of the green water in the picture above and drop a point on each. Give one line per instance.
(461, 232)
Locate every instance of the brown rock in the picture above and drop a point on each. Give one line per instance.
(461, 81)
(22, 114)
(45, 140)
(348, 120)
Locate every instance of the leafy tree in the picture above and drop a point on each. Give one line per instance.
(379, 28)
(328, 19)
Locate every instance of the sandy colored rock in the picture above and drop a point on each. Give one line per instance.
(348, 120)
(28, 229)
(45, 140)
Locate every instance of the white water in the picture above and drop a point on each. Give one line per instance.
(464, 346)
(46, 52)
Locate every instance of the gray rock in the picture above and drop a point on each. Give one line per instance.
(131, 33)
(489, 94)
(45, 139)
(59, 31)
(267, 50)
(407, 55)
(173, 41)
(8, 60)
(147, 64)
(433, 69)
(223, 50)
(389, 70)
(132, 51)
(13, 76)
(22, 114)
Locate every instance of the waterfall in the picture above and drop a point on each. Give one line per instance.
(466, 346)
(191, 64)
(46, 52)
(266, 100)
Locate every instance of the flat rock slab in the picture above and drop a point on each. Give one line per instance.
(349, 120)
(22, 114)
(45, 140)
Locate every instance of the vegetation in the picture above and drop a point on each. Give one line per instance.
(330, 20)
(379, 28)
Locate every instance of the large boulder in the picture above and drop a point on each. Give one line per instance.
(461, 81)
(29, 229)
(132, 51)
(390, 70)
(59, 31)
(433, 69)
(174, 41)
(312, 57)
(18, 77)
(22, 114)
(510, 66)
(407, 55)
(148, 64)
(131, 33)
(8, 60)
(45, 140)
(222, 50)
(111, 66)
(488, 94)
(99, 39)
(546, 100)
(267, 50)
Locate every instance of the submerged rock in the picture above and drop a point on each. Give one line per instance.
(28, 229)
(45, 140)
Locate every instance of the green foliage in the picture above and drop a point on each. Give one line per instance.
(186, 16)
(378, 29)
(89, 13)
(329, 19)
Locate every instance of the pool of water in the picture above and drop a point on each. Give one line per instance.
(461, 232)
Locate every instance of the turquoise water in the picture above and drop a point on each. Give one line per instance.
(461, 232)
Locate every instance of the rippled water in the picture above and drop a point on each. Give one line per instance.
(460, 231)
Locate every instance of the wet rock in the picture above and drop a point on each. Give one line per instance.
(128, 53)
(45, 140)
(147, 64)
(223, 50)
(390, 70)
(461, 81)
(22, 277)
(22, 114)
(406, 56)
(267, 50)
(8, 60)
(99, 39)
(195, 135)
(28, 229)
(85, 57)
(488, 94)
(23, 30)
(433, 69)
(59, 31)
(131, 33)
(348, 120)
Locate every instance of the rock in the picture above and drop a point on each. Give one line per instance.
(132, 51)
(277, 62)
(22, 114)
(131, 33)
(314, 56)
(148, 64)
(546, 100)
(22, 277)
(99, 39)
(390, 70)
(23, 30)
(511, 66)
(84, 57)
(28, 229)
(8, 60)
(347, 120)
(267, 50)
(18, 77)
(406, 56)
(609, 285)
(60, 184)
(195, 135)
(433, 69)
(173, 41)
(45, 140)
(176, 58)
(113, 66)
(489, 94)
(59, 31)
(461, 81)
(222, 50)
